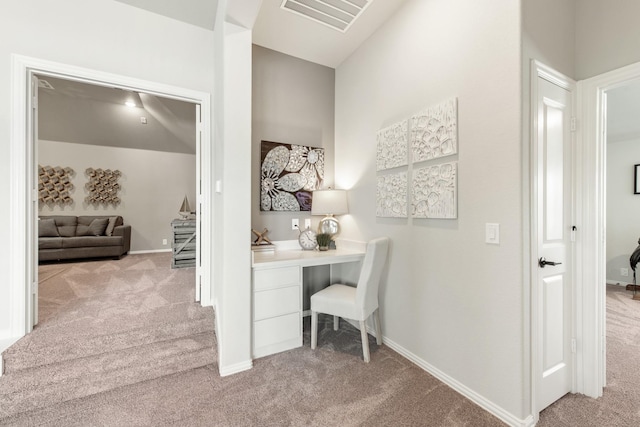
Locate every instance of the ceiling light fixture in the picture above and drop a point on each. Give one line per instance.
(336, 14)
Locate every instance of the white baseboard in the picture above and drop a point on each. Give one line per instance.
(479, 400)
(236, 368)
(152, 251)
(618, 283)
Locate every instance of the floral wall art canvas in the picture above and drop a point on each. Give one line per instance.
(391, 195)
(434, 191)
(289, 174)
(434, 131)
(392, 146)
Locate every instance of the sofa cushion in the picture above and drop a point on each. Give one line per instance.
(50, 243)
(91, 241)
(96, 228)
(111, 226)
(66, 225)
(47, 228)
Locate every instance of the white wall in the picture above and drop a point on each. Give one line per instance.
(293, 103)
(607, 35)
(152, 186)
(102, 35)
(623, 208)
(449, 298)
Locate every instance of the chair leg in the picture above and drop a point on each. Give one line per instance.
(314, 329)
(336, 323)
(365, 341)
(376, 319)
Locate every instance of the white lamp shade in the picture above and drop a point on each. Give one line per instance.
(329, 202)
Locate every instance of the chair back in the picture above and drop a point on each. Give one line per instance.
(369, 280)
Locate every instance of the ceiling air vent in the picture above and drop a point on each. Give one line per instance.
(337, 14)
(44, 84)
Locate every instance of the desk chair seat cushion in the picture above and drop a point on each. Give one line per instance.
(338, 300)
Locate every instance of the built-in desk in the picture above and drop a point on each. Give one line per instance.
(277, 294)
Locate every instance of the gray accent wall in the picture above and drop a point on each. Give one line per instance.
(293, 103)
(153, 185)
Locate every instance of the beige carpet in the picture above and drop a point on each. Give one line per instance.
(620, 404)
(120, 343)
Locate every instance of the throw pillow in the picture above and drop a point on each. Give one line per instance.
(47, 228)
(111, 226)
(96, 228)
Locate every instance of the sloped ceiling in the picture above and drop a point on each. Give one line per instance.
(298, 36)
(196, 12)
(96, 115)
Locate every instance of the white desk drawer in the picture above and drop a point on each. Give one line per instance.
(276, 302)
(276, 278)
(276, 330)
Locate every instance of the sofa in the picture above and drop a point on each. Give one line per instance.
(76, 237)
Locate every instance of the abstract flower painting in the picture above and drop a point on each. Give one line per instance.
(289, 174)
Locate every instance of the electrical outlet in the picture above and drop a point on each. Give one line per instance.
(295, 224)
(307, 223)
(164, 242)
(624, 271)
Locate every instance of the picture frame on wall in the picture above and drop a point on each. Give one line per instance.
(636, 179)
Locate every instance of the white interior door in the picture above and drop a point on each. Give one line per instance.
(553, 229)
(32, 209)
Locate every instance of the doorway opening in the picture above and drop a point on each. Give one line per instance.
(24, 260)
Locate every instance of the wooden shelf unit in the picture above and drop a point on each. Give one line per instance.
(184, 243)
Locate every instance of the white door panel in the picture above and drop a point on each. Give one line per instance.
(553, 235)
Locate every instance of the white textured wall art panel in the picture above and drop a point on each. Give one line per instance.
(391, 195)
(434, 131)
(392, 146)
(434, 191)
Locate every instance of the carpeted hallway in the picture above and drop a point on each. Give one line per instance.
(121, 343)
(619, 406)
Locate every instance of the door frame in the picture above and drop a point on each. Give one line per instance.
(22, 238)
(539, 70)
(591, 158)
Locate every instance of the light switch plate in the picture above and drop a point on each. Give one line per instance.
(492, 233)
(295, 224)
(307, 223)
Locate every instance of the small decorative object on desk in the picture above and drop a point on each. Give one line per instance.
(262, 242)
(307, 240)
(323, 239)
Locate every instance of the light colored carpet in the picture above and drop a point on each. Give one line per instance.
(80, 367)
(620, 404)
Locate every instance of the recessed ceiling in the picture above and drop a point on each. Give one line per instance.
(297, 35)
(336, 14)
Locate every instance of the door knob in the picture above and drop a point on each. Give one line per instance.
(542, 262)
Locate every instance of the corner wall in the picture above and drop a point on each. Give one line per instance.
(293, 103)
(449, 299)
(152, 186)
(607, 36)
(623, 228)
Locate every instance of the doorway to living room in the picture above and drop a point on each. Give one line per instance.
(24, 196)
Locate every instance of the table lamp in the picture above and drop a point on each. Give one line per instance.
(329, 203)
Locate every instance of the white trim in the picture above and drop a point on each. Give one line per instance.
(236, 368)
(476, 398)
(20, 162)
(539, 70)
(591, 304)
(618, 283)
(149, 251)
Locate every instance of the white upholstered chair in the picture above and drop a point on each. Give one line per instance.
(354, 303)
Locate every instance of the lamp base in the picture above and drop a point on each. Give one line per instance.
(329, 225)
